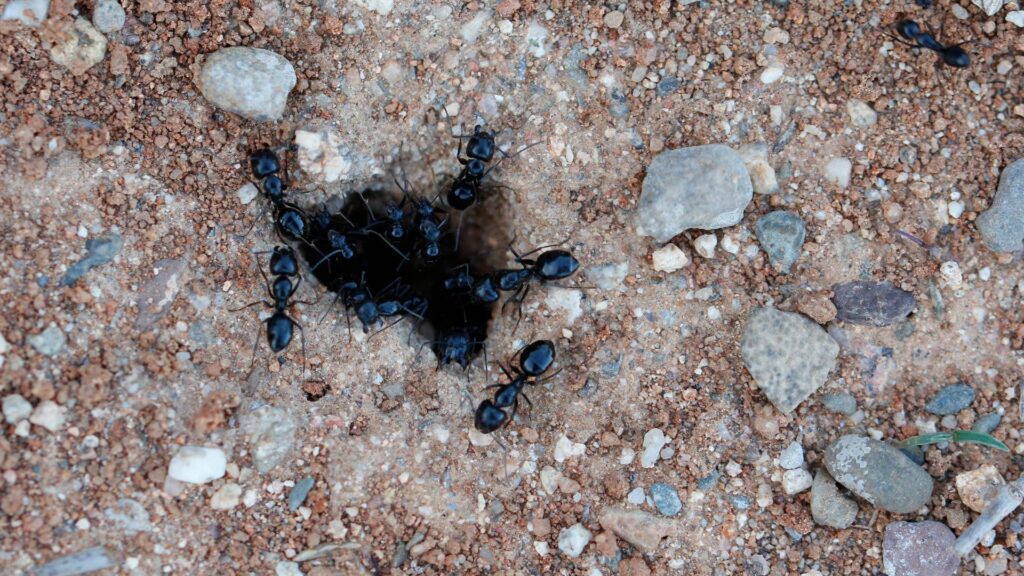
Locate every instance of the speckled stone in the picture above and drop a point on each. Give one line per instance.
(879, 473)
(788, 355)
(666, 498)
(919, 549)
(951, 399)
(781, 235)
(872, 303)
(828, 505)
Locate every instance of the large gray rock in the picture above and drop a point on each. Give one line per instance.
(872, 303)
(879, 473)
(781, 235)
(250, 82)
(828, 505)
(705, 187)
(788, 355)
(1002, 225)
(919, 549)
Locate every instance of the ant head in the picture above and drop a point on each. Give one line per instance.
(484, 291)
(431, 251)
(461, 196)
(283, 262)
(394, 211)
(274, 187)
(908, 29)
(263, 163)
(536, 358)
(956, 57)
(489, 417)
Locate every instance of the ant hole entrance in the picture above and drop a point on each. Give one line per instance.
(373, 250)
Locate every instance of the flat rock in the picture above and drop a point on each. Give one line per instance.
(654, 441)
(951, 399)
(788, 355)
(82, 562)
(159, 292)
(83, 47)
(872, 303)
(781, 235)
(251, 82)
(704, 187)
(49, 342)
(16, 408)
(637, 527)
(1002, 225)
(919, 549)
(879, 473)
(828, 505)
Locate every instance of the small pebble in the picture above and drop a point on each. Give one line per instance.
(796, 481)
(872, 303)
(614, 19)
(951, 399)
(565, 449)
(861, 114)
(49, 415)
(298, 493)
(762, 175)
(28, 12)
(987, 423)
(829, 507)
(979, 487)
(226, 497)
(879, 473)
(837, 171)
(16, 408)
(287, 568)
(960, 12)
(841, 403)
(990, 7)
(771, 74)
(951, 274)
(666, 499)
(705, 245)
(654, 441)
(83, 562)
(98, 251)
(49, 342)
(636, 496)
(669, 258)
(919, 549)
(251, 82)
(572, 540)
(247, 193)
(639, 528)
(781, 235)
(1016, 17)
(197, 465)
(82, 47)
(1000, 225)
(792, 457)
(108, 16)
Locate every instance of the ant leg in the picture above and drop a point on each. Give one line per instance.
(519, 309)
(302, 342)
(263, 213)
(548, 377)
(528, 402)
(255, 347)
(520, 257)
(383, 329)
(250, 305)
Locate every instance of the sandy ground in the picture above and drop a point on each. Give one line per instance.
(154, 359)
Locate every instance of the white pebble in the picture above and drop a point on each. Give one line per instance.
(29, 12)
(48, 415)
(837, 171)
(549, 478)
(670, 258)
(861, 114)
(956, 208)
(960, 12)
(541, 547)
(796, 481)
(572, 540)
(286, 568)
(792, 457)
(1016, 18)
(991, 7)
(985, 273)
(565, 449)
(627, 456)
(654, 441)
(733, 468)
(730, 245)
(478, 439)
(16, 408)
(636, 496)
(226, 497)
(771, 74)
(197, 465)
(705, 245)
(951, 274)
(247, 193)
(536, 39)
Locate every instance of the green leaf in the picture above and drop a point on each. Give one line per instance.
(925, 439)
(979, 438)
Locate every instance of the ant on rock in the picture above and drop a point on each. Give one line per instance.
(280, 326)
(534, 360)
(954, 55)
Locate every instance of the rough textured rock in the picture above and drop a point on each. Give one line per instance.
(879, 473)
(704, 187)
(762, 175)
(250, 82)
(108, 16)
(29, 12)
(828, 505)
(781, 235)
(977, 488)
(951, 399)
(637, 527)
(872, 303)
(919, 549)
(83, 47)
(1002, 225)
(788, 355)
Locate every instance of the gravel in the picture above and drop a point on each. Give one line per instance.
(298, 493)
(788, 355)
(82, 47)
(951, 399)
(98, 251)
(16, 408)
(796, 481)
(643, 530)
(108, 16)
(781, 235)
(572, 540)
(879, 473)
(251, 82)
(1001, 225)
(919, 549)
(666, 499)
(872, 303)
(49, 342)
(829, 507)
(703, 187)
(197, 465)
(792, 457)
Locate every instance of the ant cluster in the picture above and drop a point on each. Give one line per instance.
(392, 256)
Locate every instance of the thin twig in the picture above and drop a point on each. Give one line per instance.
(1010, 496)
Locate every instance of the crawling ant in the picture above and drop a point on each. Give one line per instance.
(479, 151)
(534, 360)
(548, 266)
(913, 36)
(280, 326)
(289, 220)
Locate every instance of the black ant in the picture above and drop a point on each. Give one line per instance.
(534, 360)
(280, 326)
(289, 219)
(479, 151)
(548, 266)
(954, 56)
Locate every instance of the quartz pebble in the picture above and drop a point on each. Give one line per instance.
(762, 175)
(614, 19)
(788, 355)
(197, 465)
(919, 549)
(323, 155)
(572, 540)
(49, 415)
(792, 457)
(16, 408)
(796, 481)
(669, 258)
(837, 171)
(226, 497)
(990, 7)
(28, 12)
(703, 187)
(705, 245)
(654, 441)
(251, 82)
(565, 449)
(861, 114)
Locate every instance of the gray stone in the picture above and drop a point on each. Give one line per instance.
(299, 492)
(792, 457)
(872, 303)
(159, 292)
(781, 235)
(130, 516)
(49, 342)
(951, 399)
(919, 549)
(704, 187)
(987, 423)
(251, 82)
(841, 403)
(98, 251)
(788, 355)
(879, 473)
(84, 562)
(28, 12)
(1002, 225)
(666, 498)
(271, 434)
(16, 408)
(108, 16)
(828, 505)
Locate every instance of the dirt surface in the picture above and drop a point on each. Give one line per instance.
(154, 358)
